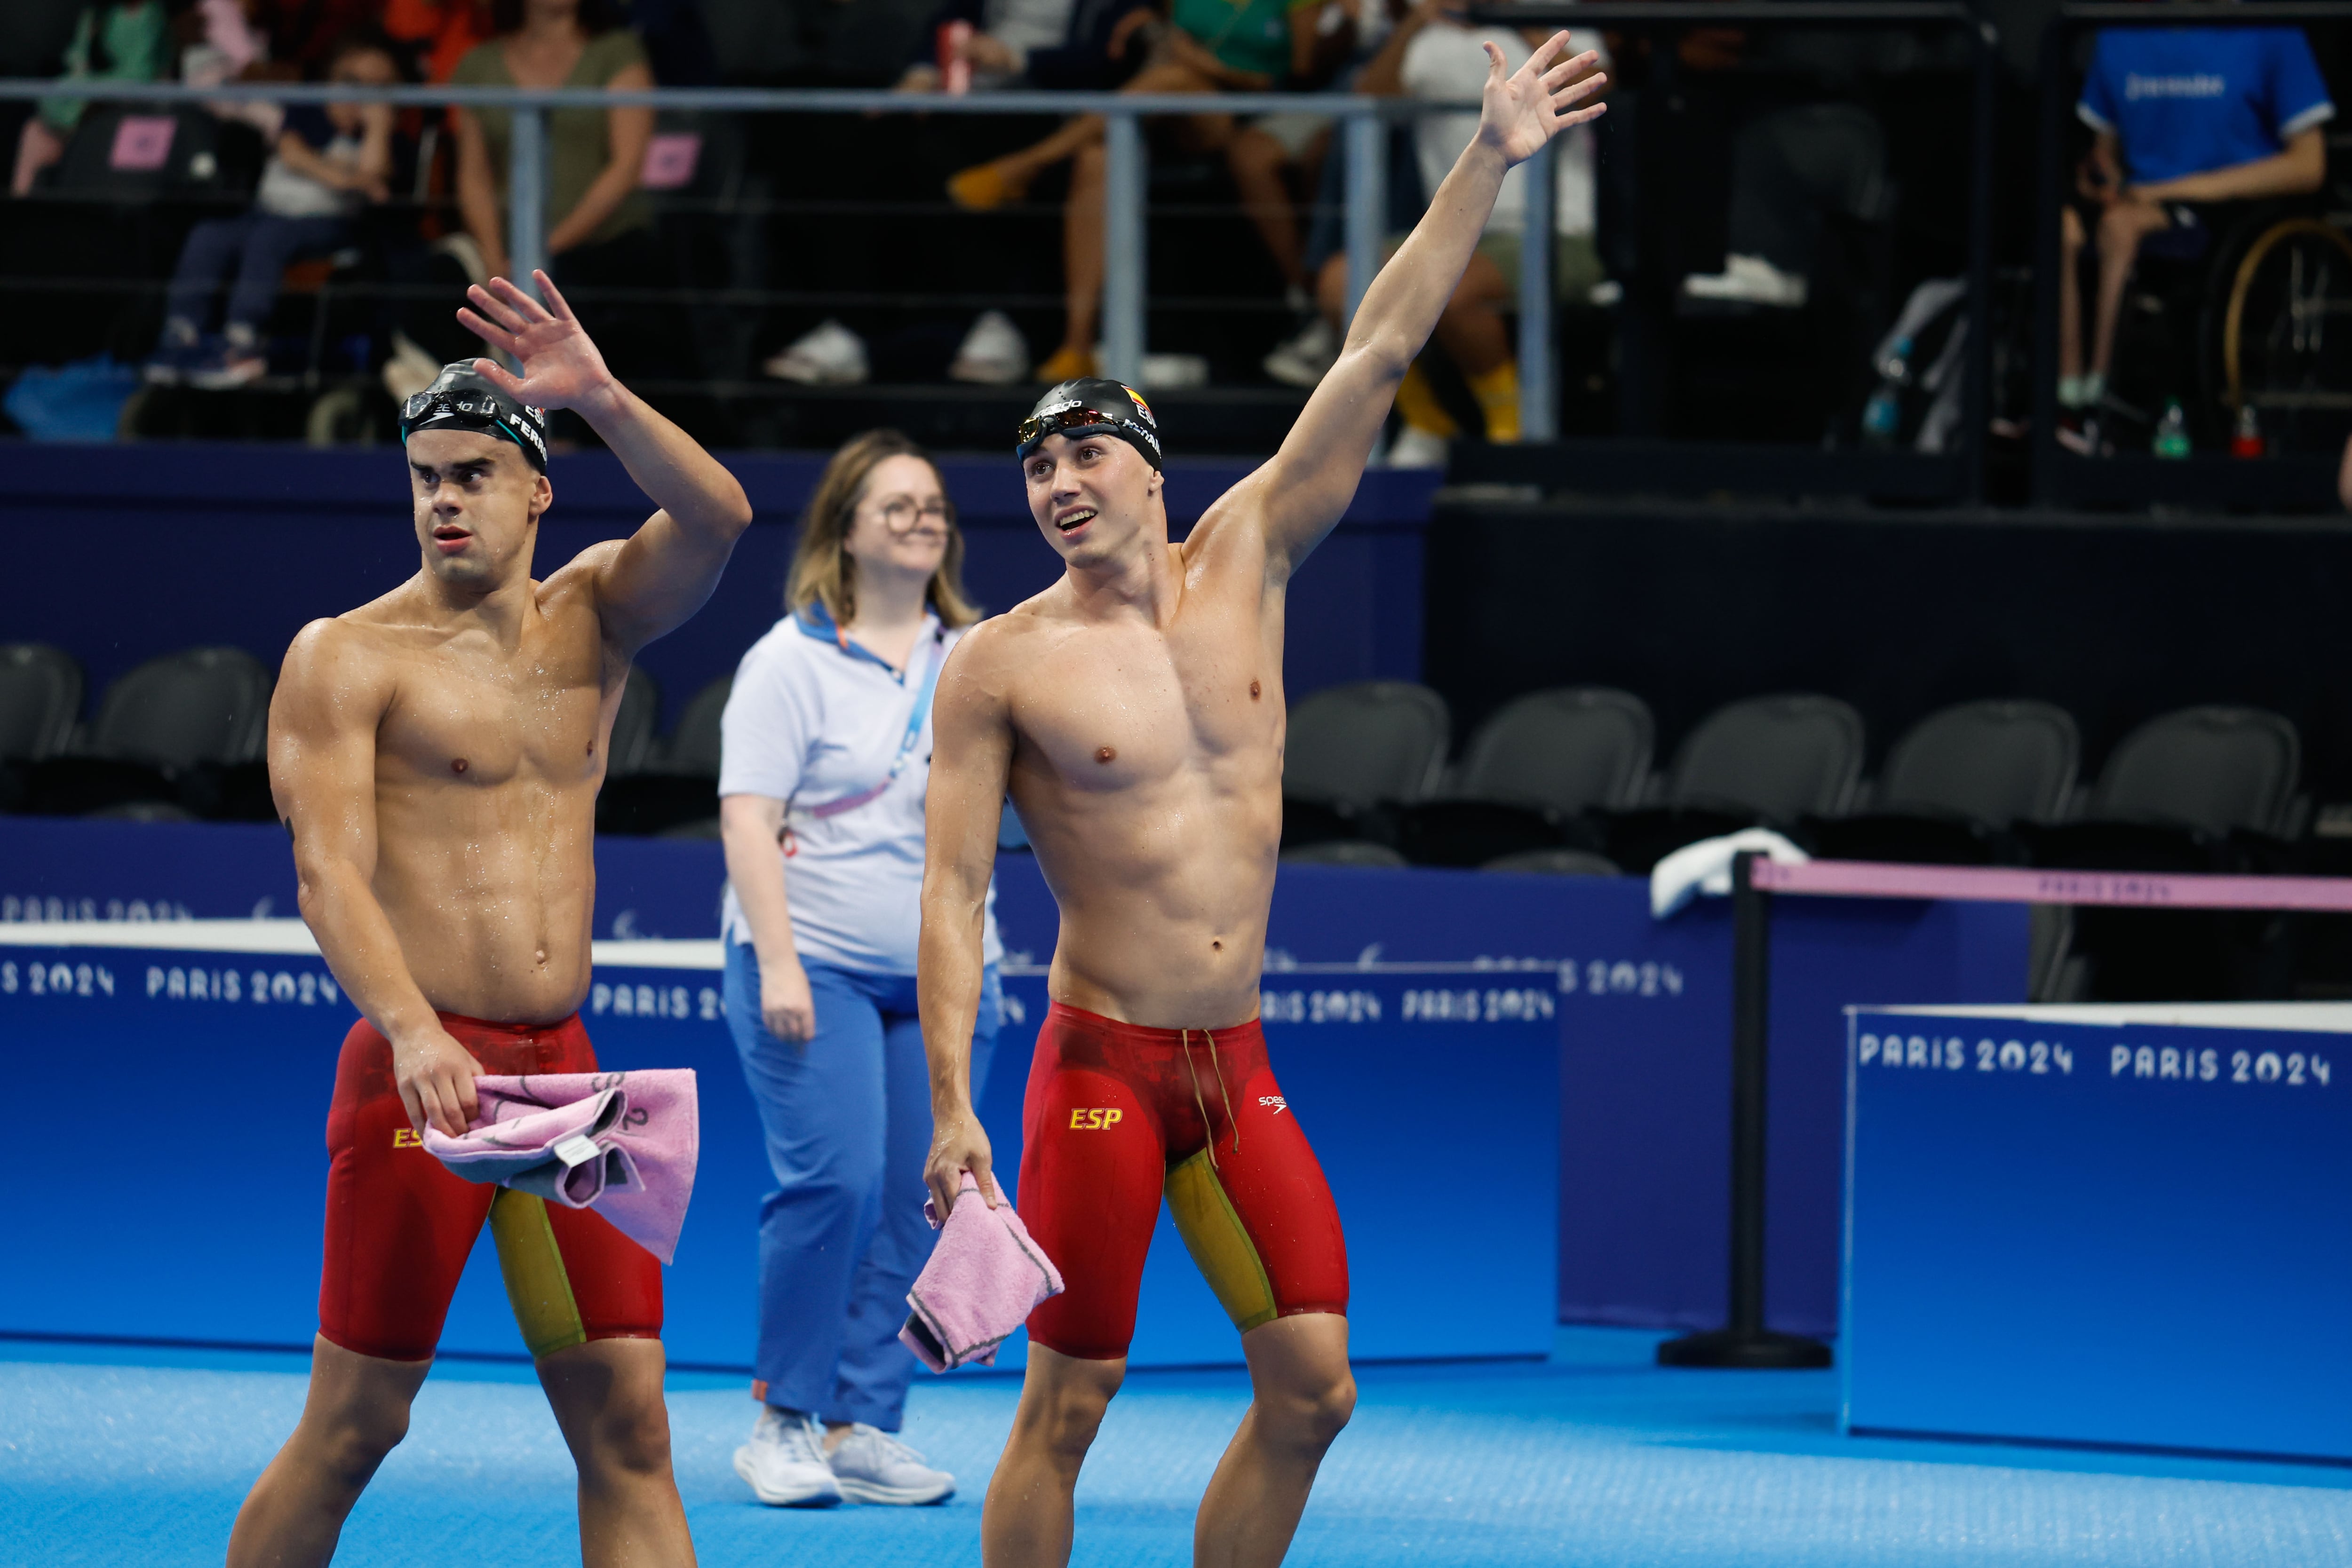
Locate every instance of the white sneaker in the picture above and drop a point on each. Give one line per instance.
(994, 353)
(830, 356)
(784, 1462)
(872, 1466)
(1417, 449)
(410, 369)
(1749, 280)
(1301, 361)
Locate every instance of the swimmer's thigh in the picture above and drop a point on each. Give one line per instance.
(1092, 1160)
(571, 1277)
(399, 1226)
(1259, 1221)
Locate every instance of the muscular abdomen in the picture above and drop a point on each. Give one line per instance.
(1163, 890)
(491, 890)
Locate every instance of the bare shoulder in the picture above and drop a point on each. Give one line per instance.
(573, 584)
(337, 667)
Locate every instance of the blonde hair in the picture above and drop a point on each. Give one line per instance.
(824, 572)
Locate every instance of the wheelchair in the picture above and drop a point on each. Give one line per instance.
(2239, 321)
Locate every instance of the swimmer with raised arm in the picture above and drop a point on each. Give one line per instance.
(436, 755)
(1134, 713)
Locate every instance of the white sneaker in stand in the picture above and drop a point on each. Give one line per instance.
(994, 353)
(1301, 360)
(872, 1466)
(784, 1462)
(829, 356)
(1749, 280)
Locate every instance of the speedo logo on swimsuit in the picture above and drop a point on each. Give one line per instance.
(1276, 1101)
(1095, 1118)
(407, 1138)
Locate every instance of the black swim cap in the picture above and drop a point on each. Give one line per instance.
(1092, 405)
(462, 398)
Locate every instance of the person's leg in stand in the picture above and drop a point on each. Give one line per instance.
(2121, 228)
(271, 243)
(355, 1413)
(1256, 161)
(206, 255)
(2070, 241)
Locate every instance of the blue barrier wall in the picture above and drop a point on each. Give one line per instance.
(119, 553)
(1640, 1026)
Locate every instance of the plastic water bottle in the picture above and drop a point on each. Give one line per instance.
(1881, 416)
(2247, 440)
(2171, 432)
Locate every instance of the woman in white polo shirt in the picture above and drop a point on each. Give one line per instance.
(827, 749)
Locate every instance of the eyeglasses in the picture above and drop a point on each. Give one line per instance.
(900, 512)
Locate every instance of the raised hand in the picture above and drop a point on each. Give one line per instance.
(561, 366)
(1523, 111)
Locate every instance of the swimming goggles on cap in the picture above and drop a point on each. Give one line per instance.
(1082, 419)
(478, 406)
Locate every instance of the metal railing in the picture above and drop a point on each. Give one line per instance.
(1364, 121)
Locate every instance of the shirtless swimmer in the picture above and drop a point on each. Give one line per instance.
(1134, 713)
(436, 755)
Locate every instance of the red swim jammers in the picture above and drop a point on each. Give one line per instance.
(400, 1225)
(1118, 1114)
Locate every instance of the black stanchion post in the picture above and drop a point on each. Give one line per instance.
(1746, 1343)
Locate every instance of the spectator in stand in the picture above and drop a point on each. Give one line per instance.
(1436, 55)
(34, 35)
(114, 40)
(329, 161)
(442, 33)
(599, 226)
(1001, 40)
(2183, 119)
(1209, 45)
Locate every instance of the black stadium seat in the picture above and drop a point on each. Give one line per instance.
(1531, 768)
(1957, 781)
(1555, 862)
(1357, 746)
(633, 742)
(2198, 789)
(1771, 761)
(1346, 852)
(188, 728)
(675, 785)
(40, 698)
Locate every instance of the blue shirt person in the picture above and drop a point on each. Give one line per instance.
(2182, 116)
(825, 763)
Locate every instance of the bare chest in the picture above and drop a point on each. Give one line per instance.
(1117, 706)
(483, 716)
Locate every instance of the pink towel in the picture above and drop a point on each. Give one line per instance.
(984, 1277)
(624, 1142)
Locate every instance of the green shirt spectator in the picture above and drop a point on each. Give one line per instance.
(593, 155)
(110, 43)
(1246, 35)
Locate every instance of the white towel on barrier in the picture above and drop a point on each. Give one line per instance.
(1706, 867)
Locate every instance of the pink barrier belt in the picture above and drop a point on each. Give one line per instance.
(2002, 884)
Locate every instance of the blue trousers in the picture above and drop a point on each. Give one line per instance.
(847, 1116)
(258, 245)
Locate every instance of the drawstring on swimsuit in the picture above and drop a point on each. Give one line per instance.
(1222, 1094)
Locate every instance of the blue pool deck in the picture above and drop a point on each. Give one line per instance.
(136, 1458)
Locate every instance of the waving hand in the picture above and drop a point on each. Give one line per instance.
(1521, 111)
(560, 367)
